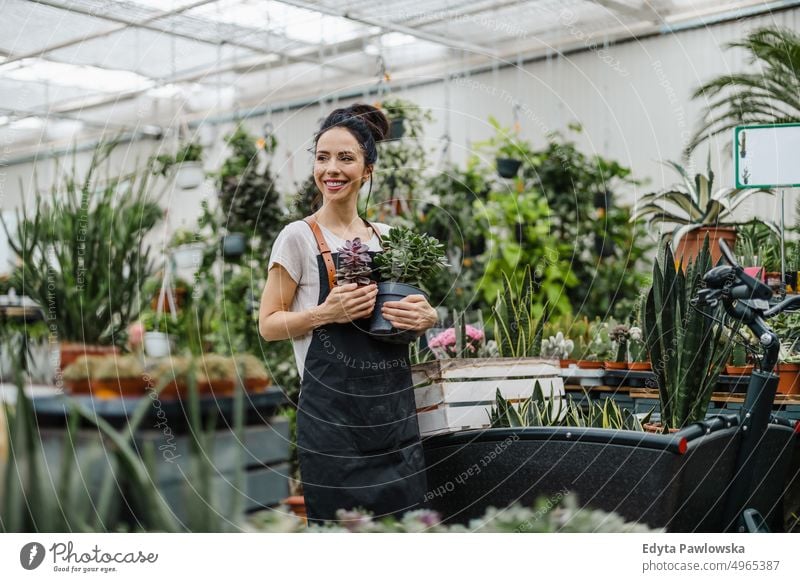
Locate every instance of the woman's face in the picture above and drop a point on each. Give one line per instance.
(339, 169)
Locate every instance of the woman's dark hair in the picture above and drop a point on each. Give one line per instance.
(366, 123)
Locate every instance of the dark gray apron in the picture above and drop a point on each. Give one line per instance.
(358, 439)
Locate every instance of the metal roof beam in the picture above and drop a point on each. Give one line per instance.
(147, 24)
(420, 34)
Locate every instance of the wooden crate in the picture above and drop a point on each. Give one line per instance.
(457, 394)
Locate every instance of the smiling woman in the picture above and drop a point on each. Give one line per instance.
(357, 434)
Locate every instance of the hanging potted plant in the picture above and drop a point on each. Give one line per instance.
(187, 251)
(186, 166)
(508, 149)
(158, 333)
(697, 211)
(407, 261)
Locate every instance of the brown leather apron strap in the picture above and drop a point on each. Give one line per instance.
(324, 250)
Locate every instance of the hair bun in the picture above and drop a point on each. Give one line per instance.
(375, 119)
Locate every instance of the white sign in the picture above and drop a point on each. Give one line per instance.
(767, 156)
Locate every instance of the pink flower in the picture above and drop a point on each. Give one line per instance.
(135, 335)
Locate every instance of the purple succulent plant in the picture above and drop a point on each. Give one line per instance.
(355, 264)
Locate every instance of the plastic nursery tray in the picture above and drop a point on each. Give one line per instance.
(632, 378)
(52, 411)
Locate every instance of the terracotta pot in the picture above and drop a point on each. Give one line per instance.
(71, 351)
(126, 387)
(224, 387)
(738, 370)
(657, 428)
(590, 364)
(256, 384)
(297, 504)
(692, 243)
(640, 366)
(615, 365)
(566, 363)
(789, 378)
(82, 386)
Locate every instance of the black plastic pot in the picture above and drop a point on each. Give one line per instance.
(380, 327)
(508, 167)
(233, 245)
(397, 129)
(675, 481)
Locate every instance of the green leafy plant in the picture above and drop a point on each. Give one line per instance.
(85, 223)
(540, 411)
(518, 330)
(686, 345)
(187, 152)
(249, 198)
(693, 204)
(505, 143)
(409, 257)
(768, 94)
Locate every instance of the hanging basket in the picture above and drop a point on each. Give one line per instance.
(508, 167)
(189, 175)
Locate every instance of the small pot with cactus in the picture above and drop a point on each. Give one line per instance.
(638, 351)
(559, 348)
(408, 260)
(738, 365)
(620, 335)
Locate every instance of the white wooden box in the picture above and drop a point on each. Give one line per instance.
(457, 394)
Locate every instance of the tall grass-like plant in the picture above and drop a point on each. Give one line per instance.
(82, 249)
(517, 330)
(686, 343)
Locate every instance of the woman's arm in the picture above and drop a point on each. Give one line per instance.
(275, 322)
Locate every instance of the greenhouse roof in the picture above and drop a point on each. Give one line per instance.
(92, 66)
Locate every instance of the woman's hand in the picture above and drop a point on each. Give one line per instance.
(349, 302)
(414, 312)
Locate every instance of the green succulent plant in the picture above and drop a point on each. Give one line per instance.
(694, 203)
(409, 257)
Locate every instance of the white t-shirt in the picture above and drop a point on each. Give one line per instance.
(295, 249)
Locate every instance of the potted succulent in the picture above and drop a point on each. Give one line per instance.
(788, 368)
(80, 374)
(599, 347)
(697, 211)
(687, 342)
(355, 264)
(738, 365)
(186, 165)
(254, 374)
(638, 351)
(216, 375)
(558, 347)
(119, 376)
(620, 335)
(407, 261)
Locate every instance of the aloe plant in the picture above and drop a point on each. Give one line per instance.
(354, 263)
(694, 203)
(687, 346)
